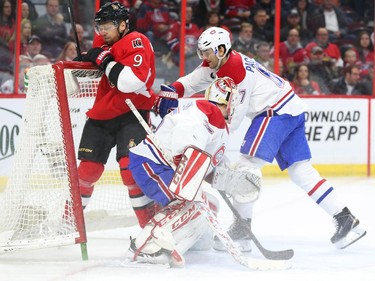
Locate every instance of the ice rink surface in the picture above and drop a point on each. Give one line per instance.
(284, 217)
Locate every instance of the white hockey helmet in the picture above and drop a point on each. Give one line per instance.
(212, 38)
(224, 91)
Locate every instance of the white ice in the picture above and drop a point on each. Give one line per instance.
(284, 217)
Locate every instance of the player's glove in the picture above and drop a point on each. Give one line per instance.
(99, 56)
(166, 101)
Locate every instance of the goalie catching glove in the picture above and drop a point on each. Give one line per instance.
(167, 100)
(243, 184)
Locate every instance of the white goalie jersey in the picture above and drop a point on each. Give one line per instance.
(198, 123)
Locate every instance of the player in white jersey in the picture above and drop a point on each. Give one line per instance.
(276, 131)
(198, 123)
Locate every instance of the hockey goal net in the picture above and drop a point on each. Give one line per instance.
(41, 205)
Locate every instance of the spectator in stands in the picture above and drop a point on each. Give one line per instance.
(192, 33)
(25, 13)
(264, 57)
(213, 5)
(368, 80)
(293, 20)
(245, 43)
(330, 50)
(238, 9)
(84, 43)
(153, 20)
(24, 37)
(7, 23)
(268, 6)
(34, 46)
(213, 19)
(302, 84)
(262, 29)
(305, 9)
(365, 48)
(292, 53)
(332, 18)
(51, 29)
(29, 10)
(6, 58)
(68, 53)
(350, 57)
(321, 70)
(349, 83)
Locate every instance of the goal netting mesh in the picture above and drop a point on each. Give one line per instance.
(41, 203)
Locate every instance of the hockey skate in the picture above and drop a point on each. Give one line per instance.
(347, 229)
(162, 256)
(239, 232)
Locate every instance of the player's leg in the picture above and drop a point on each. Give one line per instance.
(245, 177)
(260, 145)
(128, 136)
(295, 155)
(93, 152)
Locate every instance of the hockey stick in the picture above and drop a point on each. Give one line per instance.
(233, 250)
(272, 255)
(78, 47)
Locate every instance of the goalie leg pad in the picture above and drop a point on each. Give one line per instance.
(175, 228)
(243, 183)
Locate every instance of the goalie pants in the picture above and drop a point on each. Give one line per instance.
(152, 178)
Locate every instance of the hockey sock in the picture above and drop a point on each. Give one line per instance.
(88, 174)
(144, 207)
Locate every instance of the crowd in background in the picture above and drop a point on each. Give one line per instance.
(326, 46)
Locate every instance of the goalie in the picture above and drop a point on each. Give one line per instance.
(195, 136)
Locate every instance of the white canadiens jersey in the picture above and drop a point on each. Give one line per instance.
(260, 89)
(198, 123)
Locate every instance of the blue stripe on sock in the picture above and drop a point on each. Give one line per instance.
(325, 194)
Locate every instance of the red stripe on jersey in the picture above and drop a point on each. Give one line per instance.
(259, 136)
(282, 99)
(163, 187)
(316, 187)
(161, 156)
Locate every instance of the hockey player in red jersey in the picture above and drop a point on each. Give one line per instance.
(179, 224)
(127, 60)
(276, 132)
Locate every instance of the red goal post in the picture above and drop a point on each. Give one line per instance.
(41, 204)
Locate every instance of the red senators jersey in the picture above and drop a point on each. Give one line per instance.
(134, 51)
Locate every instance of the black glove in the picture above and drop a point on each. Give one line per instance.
(99, 56)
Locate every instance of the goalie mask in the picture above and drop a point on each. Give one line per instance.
(223, 91)
(111, 12)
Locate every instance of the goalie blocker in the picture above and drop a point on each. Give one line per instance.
(190, 173)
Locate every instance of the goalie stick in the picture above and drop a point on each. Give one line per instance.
(272, 255)
(233, 250)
